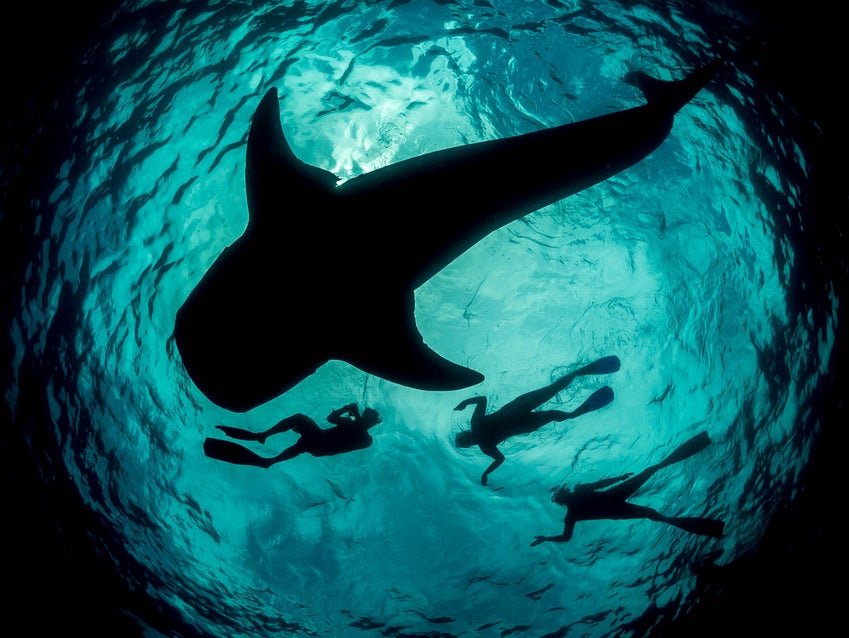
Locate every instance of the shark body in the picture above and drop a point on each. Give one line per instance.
(328, 271)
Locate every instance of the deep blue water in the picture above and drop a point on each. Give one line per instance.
(695, 267)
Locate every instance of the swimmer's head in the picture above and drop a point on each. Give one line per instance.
(561, 495)
(370, 417)
(464, 438)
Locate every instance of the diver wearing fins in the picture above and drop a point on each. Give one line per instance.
(590, 501)
(350, 432)
(487, 431)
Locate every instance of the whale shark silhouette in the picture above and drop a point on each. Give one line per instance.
(327, 270)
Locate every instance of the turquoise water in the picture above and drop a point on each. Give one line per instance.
(676, 265)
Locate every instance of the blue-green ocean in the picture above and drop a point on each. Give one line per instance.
(693, 267)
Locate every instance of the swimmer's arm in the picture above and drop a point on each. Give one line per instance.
(477, 401)
(335, 417)
(568, 528)
(495, 453)
(478, 414)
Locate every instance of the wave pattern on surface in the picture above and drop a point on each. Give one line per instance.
(681, 266)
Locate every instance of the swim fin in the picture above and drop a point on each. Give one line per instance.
(232, 453)
(695, 525)
(605, 365)
(597, 400)
(687, 449)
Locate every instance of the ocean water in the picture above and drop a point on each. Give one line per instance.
(684, 266)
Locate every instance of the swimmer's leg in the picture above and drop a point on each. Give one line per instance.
(597, 400)
(234, 453)
(533, 421)
(535, 398)
(296, 422)
(694, 525)
(299, 423)
(289, 453)
(683, 451)
(629, 486)
(239, 433)
(630, 511)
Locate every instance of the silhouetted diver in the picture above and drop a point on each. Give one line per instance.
(350, 433)
(518, 416)
(266, 313)
(587, 501)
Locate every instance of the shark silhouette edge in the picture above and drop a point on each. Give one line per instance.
(328, 271)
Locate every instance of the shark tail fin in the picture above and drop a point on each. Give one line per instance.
(673, 93)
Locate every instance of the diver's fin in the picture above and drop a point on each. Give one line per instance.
(605, 365)
(687, 449)
(673, 93)
(390, 346)
(232, 453)
(695, 525)
(596, 401)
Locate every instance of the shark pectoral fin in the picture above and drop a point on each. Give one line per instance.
(417, 366)
(401, 359)
(392, 348)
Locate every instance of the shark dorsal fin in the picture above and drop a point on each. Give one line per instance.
(271, 164)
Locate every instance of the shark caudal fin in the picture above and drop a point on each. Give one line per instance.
(673, 93)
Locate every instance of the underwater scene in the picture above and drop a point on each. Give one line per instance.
(322, 316)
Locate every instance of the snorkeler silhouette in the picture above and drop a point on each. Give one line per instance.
(587, 502)
(350, 432)
(518, 416)
(265, 315)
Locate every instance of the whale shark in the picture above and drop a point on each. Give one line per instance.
(326, 270)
